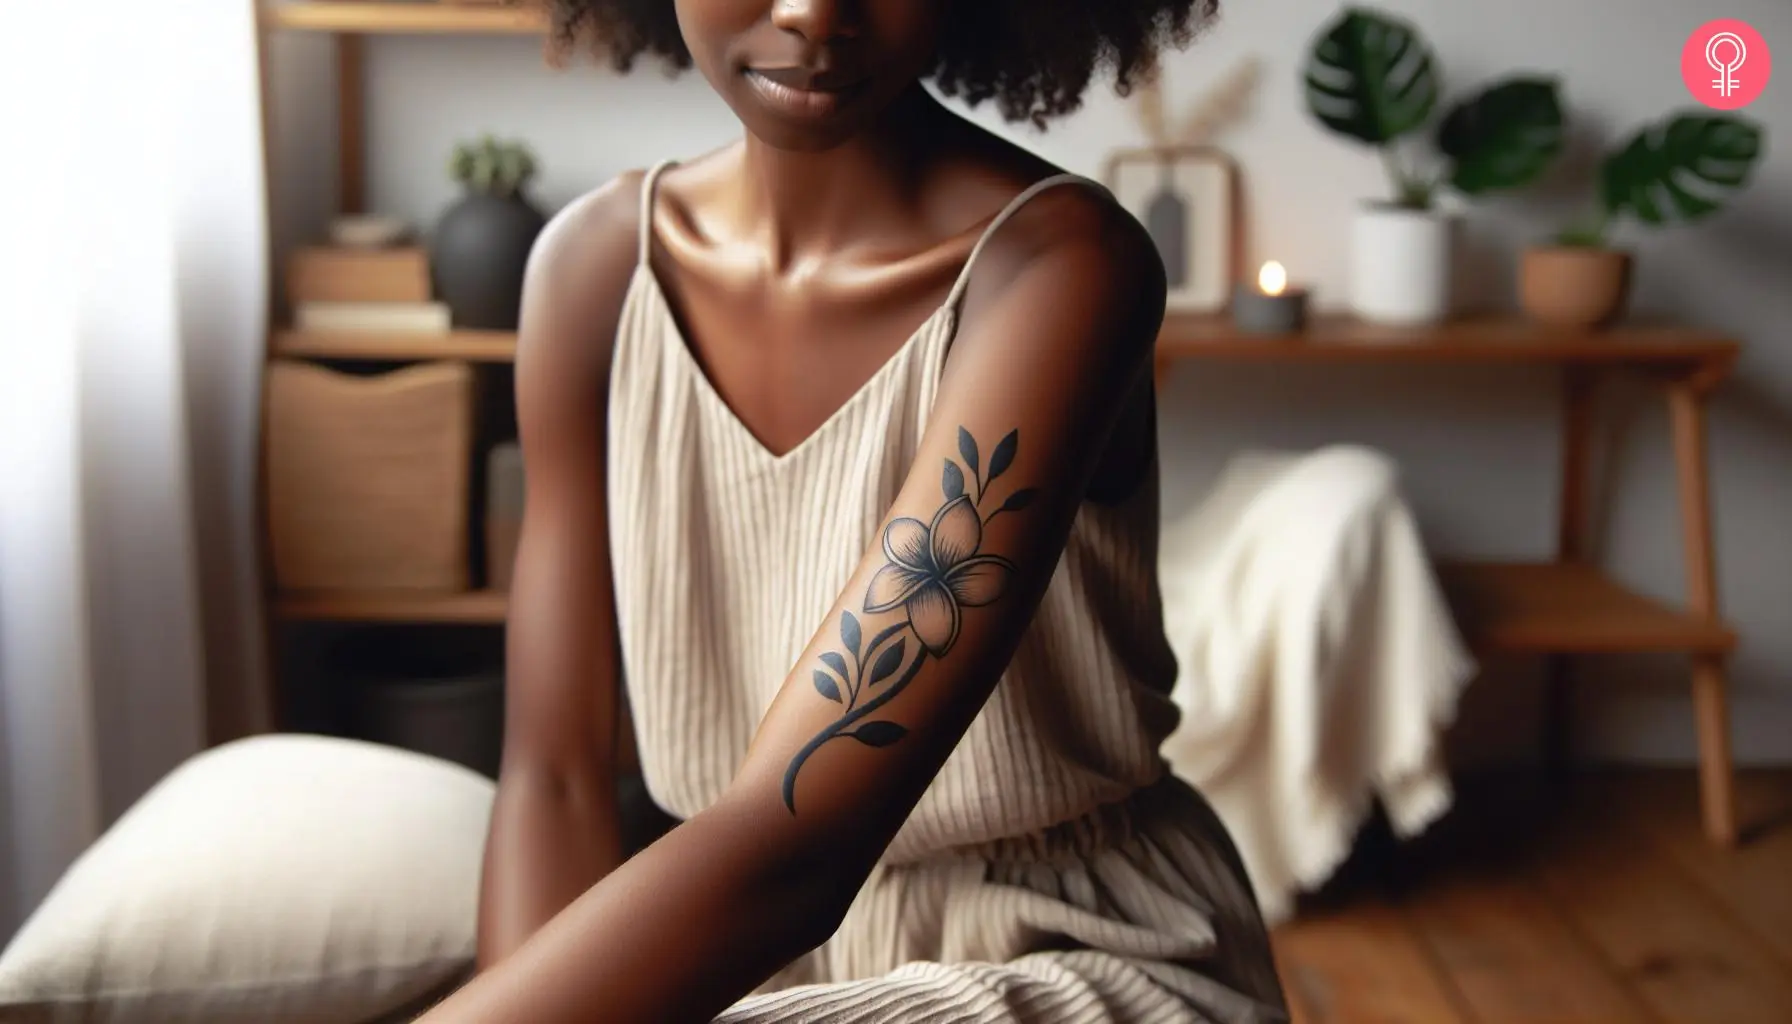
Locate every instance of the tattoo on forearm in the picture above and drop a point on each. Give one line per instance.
(932, 572)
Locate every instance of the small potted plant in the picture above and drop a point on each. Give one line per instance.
(1679, 169)
(1371, 78)
(481, 244)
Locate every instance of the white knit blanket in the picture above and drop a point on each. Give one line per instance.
(1319, 663)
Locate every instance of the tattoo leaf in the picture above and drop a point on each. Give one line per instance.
(886, 633)
(1019, 500)
(1003, 456)
(887, 663)
(837, 663)
(953, 481)
(849, 632)
(825, 685)
(878, 734)
(967, 447)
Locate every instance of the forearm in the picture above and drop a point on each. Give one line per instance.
(676, 934)
(552, 838)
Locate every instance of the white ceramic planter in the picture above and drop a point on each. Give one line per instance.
(1400, 264)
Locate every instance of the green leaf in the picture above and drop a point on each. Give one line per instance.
(849, 632)
(967, 447)
(1681, 170)
(1003, 456)
(878, 734)
(837, 663)
(1370, 77)
(887, 663)
(827, 687)
(1580, 237)
(952, 481)
(1504, 137)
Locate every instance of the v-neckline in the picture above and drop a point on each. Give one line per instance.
(646, 279)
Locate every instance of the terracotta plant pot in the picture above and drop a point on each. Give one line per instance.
(1574, 286)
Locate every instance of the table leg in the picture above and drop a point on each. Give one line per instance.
(1717, 791)
(1686, 402)
(1572, 545)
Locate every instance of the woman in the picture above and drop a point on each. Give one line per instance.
(883, 595)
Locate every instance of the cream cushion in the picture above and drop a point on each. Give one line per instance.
(279, 878)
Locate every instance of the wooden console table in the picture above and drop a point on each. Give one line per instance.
(1566, 606)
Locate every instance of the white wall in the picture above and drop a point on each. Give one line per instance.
(1477, 446)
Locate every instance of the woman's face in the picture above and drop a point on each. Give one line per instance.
(809, 74)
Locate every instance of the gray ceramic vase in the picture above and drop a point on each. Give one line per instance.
(477, 257)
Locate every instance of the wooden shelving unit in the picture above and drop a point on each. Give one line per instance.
(415, 18)
(1569, 609)
(473, 346)
(478, 607)
(1491, 341)
(1567, 606)
(347, 24)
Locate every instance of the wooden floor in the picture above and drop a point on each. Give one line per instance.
(1599, 903)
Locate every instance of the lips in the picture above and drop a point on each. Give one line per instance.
(801, 92)
(806, 80)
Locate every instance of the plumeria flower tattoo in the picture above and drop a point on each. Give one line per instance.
(935, 571)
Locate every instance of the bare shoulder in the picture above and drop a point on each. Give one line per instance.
(1073, 245)
(578, 276)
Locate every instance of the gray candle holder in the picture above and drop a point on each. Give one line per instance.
(1253, 312)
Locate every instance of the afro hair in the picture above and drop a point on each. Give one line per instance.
(1034, 58)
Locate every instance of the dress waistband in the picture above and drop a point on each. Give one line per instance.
(1166, 803)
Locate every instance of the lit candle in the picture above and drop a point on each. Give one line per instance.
(1271, 306)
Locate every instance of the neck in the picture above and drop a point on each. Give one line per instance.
(809, 203)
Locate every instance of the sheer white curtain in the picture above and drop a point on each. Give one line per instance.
(132, 284)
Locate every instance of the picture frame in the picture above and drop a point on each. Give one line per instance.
(1187, 199)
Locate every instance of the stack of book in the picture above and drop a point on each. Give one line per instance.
(344, 289)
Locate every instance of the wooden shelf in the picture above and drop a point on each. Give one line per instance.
(1569, 609)
(1475, 341)
(472, 607)
(475, 346)
(414, 18)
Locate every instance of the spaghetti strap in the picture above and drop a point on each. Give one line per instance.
(648, 184)
(1013, 207)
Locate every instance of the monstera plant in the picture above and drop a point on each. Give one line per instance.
(1677, 170)
(1371, 78)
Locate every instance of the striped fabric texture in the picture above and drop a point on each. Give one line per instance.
(1054, 870)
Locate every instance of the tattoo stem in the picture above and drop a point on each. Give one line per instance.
(870, 649)
(849, 719)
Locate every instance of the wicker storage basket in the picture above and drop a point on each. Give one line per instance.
(368, 477)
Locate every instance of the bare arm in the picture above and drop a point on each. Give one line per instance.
(896, 671)
(554, 830)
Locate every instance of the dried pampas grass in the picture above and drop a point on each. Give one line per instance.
(1223, 105)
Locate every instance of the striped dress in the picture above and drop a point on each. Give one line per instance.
(1054, 871)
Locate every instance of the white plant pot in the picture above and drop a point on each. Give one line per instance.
(1400, 264)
